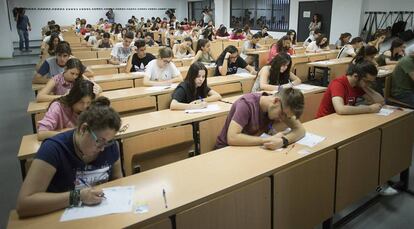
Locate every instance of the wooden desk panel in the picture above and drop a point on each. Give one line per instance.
(312, 102)
(396, 152)
(114, 85)
(163, 224)
(105, 71)
(148, 102)
(85, 55)
(209, 130)
(357, 169)
(304, 193)
(225, 89)
(248, 207)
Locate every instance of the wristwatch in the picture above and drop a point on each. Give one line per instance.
(285, 142)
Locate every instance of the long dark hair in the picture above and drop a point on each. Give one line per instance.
(363, 52)
(319, 40)
(99, 116)
(275, 76)
(192, 74)
(280, 47)
(76, 63)
(201, 43)
(52, 47)
(343, 36)
(290, 32)
(222, 31)
(80, 89)
(396, 44)
(231, 49)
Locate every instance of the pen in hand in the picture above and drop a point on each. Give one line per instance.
(90, 186)
(165, 198)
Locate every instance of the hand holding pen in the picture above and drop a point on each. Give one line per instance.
(90, 195)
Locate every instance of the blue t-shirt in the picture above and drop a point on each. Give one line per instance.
(23, 22)
(59, 152)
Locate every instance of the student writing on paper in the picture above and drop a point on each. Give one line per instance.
(250, 46)
(63, 82)
(344, 39)
(402, 87)
(194, 93)
(229, 61)
(349, 50)
(121, 51)
(139, 59)
(254, 114)
(393, 55)
(276, 74)
(63, 112)
(68, 163)
(320, 44)
(366, 53)
(343, 92)
(203, 52)
(105, 42)
(292, 35)
(184, 49)
(56, 64)
(283, 45)
(161, 71)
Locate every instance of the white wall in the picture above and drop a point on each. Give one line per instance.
(222, 12)
(6, 44)
(62, 16)
(346, 17)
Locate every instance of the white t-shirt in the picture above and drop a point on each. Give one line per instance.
(47, 38)
(120, 53)
(312, 47)
(161, 74)
(308, 40)
(346, 51)
(247, 45)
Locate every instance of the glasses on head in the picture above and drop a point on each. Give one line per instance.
(100, 142)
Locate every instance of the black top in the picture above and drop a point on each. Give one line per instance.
(231, 67)
(183, 93)
(139, 65)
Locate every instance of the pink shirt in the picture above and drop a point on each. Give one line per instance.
(233, 36)
(61, 85)
(273, 52)
(58, 117)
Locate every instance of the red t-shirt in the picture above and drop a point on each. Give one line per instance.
(338, 87)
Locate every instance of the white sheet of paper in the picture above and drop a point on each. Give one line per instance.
(305, 87)
(311, 140)
(157, 88)
(382, 72)
(122, 64)
(385, 112)
(118, 200)
(211, 107)
(244, 74)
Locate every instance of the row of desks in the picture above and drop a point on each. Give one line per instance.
(207, 126)
(249, 187)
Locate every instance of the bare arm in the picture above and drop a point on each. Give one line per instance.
(223, 69)
(371, 96)
(342, 109)
(117, 170)
(129, 63)
(251, 69)
(40, 79)
(264, 80)
(114, 61)
(88, 72)
(235, 137)
(45, 94)
(197, 57)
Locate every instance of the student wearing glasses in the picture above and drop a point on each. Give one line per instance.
(69, 164)
(255, 114)
(229, 61)
(343, 92)
(162, 71)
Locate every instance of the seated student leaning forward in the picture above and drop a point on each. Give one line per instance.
(255, 113)
(343, 92)
(229, 61)
(194, 93)
(68, 164)
(162, 71)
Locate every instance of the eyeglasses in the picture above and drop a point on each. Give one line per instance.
(166, 61)
(100, 142)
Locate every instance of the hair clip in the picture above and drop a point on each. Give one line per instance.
(123, 128)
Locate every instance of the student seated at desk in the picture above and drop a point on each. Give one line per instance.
(393, 55)
(184, 49)
(203, 52)
(343, 92)
(263, 32)
(222, 32)
(255, 113)
(403, 79)
(121, 51)
(312, 37)
(276, 75)
(194, 93)
(208, 33)
(149, 40)
(366, 53)
(320, 44)
(283, 45)
(162, 71)
(237, 35)
(69, 164)
(63, 82)
(379, 38)
(105, 42)
(63, 112)
(343, 40)
(249, 46)
(349, 50)
(56, 64)
(229, 61)
(292, 35)
(139, 59)
(49, 48)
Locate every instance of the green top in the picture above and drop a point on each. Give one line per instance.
(207, 58)
(401, 80)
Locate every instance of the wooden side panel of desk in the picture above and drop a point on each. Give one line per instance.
(128, 105)
(357, 169)
(248, 207)
(139, 82)
(209, 130)
(105, 71)
(163, 224)
(396, 147)
(114, 85)
(231, 88)
(302, 71)
(216, 48)
(164, 101)
(337, 71)
(85, 55)
(304, 193)
(312, 102)
(104, 54)
(157, 148)
(247, 85)
(94, 62)
(317, 58)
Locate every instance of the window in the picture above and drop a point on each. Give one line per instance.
(195, 9)
(256, 13)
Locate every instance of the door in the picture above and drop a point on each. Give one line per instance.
(307, 10)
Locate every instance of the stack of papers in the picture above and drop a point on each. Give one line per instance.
(118, 200)
(211, 107)
(385, 112)
(305, 87)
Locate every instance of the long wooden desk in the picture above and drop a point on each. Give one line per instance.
(300, 60)
(207, 126)
(231, 188)
(331, 68)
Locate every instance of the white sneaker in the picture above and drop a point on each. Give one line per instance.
(386, 190)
